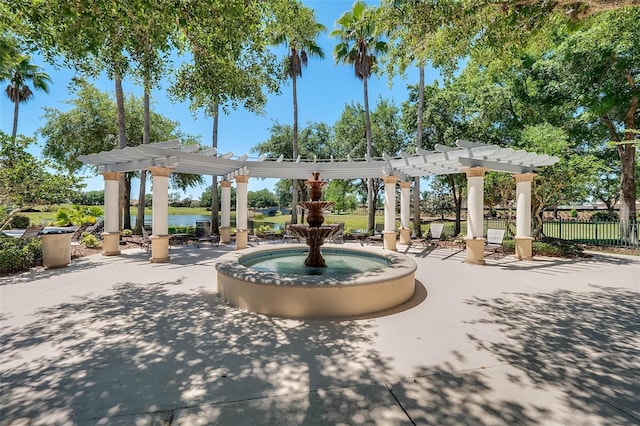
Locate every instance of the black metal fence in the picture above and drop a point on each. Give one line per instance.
(596, 233)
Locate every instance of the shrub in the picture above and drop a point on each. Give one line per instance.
(604, 216)
(556, 248)
(126, 232)
(77, 215)
(573, 213)
(90, 240)
(19, 255)
(182, 229)
(20, 222)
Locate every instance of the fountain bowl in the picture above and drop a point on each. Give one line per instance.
(315, 296)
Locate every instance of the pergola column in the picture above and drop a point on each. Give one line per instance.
(242, 233)
(160, 208)
(111, 234)
(225, 222)
(524, 241)
(475, 215)
(389, 233)
(405, 212)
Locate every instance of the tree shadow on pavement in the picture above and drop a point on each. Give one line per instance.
(585, 343)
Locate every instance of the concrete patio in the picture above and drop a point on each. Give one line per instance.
(119, 340)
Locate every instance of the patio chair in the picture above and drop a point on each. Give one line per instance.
(203, 234)
(494, 243)
(78, 233)
(432, 239)
(97, 228)
(338, 236)
(289, 236)
(377, 236)
(146, 241)
(32, 232)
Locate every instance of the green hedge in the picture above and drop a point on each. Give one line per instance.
(191, 230)
(18, 255)
(549, 248)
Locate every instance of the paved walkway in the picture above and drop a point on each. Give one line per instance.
(122, 341)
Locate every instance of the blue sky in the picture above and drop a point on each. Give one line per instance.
(323, 91)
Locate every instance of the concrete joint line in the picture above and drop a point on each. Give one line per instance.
(399, 404)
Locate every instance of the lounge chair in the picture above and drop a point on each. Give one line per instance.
(146, 241)
(32, 232)
(289, 236)
(494, 243)
(338, 236)
(432, 239)
(203, 234)
(377, 236)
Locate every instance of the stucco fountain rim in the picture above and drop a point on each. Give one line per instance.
(399, 266)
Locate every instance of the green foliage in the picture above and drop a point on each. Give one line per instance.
(20, 222)
(18, 255)
(186, 229)
(77, 215)
(26, 180)
(126, 232)
(90, 240)
(261, 199)
(604, 216)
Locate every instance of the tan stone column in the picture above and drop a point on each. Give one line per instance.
(225, 222)
(405, 212)
(389, 233)
(242, 233)
(524, 241)
(111, 234)
(475, 215)
(160, 206)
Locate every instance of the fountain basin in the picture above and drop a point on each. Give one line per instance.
(388, 283)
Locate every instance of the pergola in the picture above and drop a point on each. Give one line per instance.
(472, 158)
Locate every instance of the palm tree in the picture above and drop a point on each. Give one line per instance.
(359, 45)
(298, 31)
(18, 91)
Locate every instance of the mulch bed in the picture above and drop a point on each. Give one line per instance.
(77, 251)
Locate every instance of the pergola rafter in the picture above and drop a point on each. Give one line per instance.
(444, 160)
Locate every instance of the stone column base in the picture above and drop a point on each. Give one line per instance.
(524, 248)
(405, 236)
(159, 248)
(389, 239)
(475, 251)
(225, 234)
(242, 238)
(110, 243)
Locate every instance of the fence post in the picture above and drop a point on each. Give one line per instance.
(560, 229)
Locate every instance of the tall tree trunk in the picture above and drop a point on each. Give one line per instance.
(122, 143)
(16, 107)
(215, 225)
(371, 218)
(146, 135)
(126, 221)
(627, 154)
(294, 194)
(417, 222)
(456, 191)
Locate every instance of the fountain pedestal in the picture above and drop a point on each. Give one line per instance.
(314, 233)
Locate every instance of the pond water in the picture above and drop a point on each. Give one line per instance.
(190, 220)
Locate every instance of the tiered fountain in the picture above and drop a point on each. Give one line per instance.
(274, 280)
(314, 233)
